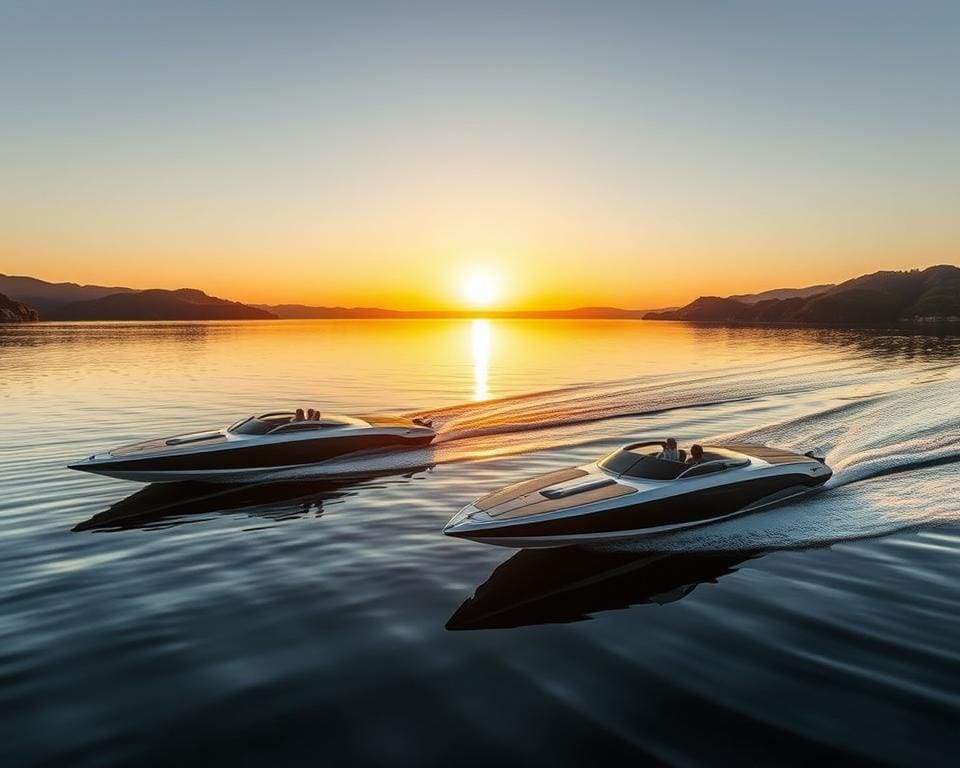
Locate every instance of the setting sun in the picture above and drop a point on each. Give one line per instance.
(480, 289)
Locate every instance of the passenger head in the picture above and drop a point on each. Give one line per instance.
(316, 415)
(672, 443)
(298, 416)
(310, 414)
(696, 451)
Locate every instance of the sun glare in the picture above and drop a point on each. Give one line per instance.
(480, 289)
(480, 346)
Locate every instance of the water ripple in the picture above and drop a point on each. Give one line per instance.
(326, 615)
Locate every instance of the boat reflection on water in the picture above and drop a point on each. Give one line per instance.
(163, 505)
(568, 584)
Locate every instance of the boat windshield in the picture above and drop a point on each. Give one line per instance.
(259, 425)
(640, 460)
(271, 422)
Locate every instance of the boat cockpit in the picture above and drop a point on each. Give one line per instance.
(642, 461)
(285, 422)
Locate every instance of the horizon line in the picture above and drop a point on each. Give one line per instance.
(436, 311)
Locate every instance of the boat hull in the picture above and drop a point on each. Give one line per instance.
(232, 462)
(638, 517)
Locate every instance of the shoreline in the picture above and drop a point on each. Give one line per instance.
(951, 325)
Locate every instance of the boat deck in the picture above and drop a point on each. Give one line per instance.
(767, 454)
(160, 445)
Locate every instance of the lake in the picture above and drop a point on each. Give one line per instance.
(327, 620)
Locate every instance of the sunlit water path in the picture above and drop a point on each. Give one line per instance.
(328, 615)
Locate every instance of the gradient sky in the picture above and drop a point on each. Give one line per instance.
(634, 154)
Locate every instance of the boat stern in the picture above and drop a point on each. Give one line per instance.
(414, 431)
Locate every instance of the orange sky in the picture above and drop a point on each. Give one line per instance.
(636, 156)
(432, 281)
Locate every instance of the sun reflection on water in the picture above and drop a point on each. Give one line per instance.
(480, 346)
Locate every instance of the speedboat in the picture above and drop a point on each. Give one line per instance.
(634, 493)
(257, 446)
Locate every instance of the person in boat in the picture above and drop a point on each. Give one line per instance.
(310, 413)
(316, 415)
(670, 452)
(298, 415)
(696, 455)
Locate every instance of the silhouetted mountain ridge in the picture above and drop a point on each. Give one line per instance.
(70, 301)
(927, 295)
(158, 304)
(45, 296)
(782, 293)
(931, 294)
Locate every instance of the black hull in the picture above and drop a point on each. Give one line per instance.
(675, 511)
(261, 456)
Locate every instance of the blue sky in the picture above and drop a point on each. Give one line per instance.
(557, 144)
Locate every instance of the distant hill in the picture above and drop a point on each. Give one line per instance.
(880, 298)
(16, 312)
(782, 293)
(930, 295)
(305, 312)
(157, 304)
(70, 301)
(301, 311)
(46, 296)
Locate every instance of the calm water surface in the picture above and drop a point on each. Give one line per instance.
(324, 620)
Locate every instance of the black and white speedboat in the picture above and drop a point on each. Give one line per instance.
(256, 446)
(632, 493)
